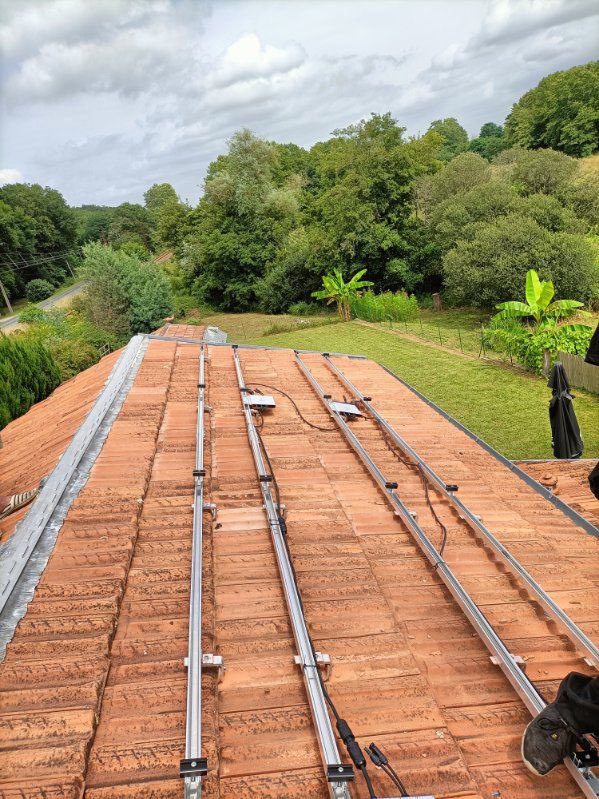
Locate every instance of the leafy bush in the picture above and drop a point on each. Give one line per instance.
(28, 373)
(492, 264)
(125, 295)
(527, 345)
(73, 341)
(306, 309)
(38, 290)
(382, 307)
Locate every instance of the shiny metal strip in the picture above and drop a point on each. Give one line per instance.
(525, 689)
(193, 722)
(320, 714)
(16, 553)
(576, 635)
(566, 509)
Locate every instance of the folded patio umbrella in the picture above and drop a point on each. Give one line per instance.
(592, 355)
(567, 441)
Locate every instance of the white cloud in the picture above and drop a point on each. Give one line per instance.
(10, 176)
(247, 58)
(110, 96)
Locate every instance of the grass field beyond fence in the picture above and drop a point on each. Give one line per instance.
(506, 408)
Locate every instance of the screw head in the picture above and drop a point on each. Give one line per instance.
(193, 764)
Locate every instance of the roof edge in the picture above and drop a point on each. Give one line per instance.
(566, 509)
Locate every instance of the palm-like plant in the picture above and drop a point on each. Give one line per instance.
(538, 305)
(336, 290)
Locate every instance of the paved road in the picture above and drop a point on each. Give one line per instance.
(8, 322)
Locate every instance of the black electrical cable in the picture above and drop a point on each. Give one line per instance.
(368, 782)
(343, 728)
(295, 405)
(381, 761)
(424, 479)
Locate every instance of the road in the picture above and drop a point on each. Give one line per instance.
(9, 322)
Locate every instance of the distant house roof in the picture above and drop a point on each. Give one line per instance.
(93, 684)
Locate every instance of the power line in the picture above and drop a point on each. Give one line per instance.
(37, 261)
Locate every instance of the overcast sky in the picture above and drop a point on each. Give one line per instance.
(102, 98)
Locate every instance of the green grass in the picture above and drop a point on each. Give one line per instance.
(242, 328)
(507, 409)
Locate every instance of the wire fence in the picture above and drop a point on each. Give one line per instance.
(473, 342)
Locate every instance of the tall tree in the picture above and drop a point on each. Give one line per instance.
(454, 135)
(561, 112)
(489, 142)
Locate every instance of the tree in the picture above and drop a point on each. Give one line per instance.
(491, 264)
(462, 174)
(455, 138)
(93, 222)
(537, 171)
(561, 112)
(490, 141)
(538, 305)
(337, 290)
(239, 225)
(48, 232)
(125, 295)
(130, 222)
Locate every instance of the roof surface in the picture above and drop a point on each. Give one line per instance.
(92, 689)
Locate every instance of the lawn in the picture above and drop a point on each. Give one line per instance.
(242, 328)
(506, 408)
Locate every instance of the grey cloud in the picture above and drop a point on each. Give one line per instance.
(513, 20)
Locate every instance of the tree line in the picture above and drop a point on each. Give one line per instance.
(420, 214)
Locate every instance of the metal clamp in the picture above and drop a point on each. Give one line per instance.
(211, 506)
(322, 660)
(193, 767)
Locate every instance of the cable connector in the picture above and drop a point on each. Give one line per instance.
(375, 754)
(352, 746)
(282, 525)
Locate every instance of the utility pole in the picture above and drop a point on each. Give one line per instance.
(69, 266)
(5, 295)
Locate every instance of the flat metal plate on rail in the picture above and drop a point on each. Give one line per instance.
(345, 407)
(259, 401)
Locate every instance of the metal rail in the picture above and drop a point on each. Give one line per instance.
(585, 779)
(21, 545)
(558, 503)
(576, 635)
(337, 773)
(194, 767)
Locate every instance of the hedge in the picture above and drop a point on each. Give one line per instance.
(28, 373)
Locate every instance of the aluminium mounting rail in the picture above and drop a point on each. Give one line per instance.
(337, 774)
(46, 514)
(584, 777)
(576, 635)
(194, 766)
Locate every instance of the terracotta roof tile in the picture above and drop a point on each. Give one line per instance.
(93, 684)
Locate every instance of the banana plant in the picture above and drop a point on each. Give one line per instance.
(539, 305)
(336, 290)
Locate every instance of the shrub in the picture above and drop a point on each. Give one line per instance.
(28, 373)
(125, 295)
(38, 290)
(492, 265)
(373, 307)
(527, 345)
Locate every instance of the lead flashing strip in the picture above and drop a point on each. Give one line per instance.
(24, 556)
(566, 509)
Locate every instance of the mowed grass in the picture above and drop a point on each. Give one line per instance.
(507, 409)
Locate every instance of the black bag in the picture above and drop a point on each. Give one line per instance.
(592, 355)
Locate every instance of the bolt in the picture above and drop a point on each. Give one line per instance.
(193, 764)
(340, 769)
